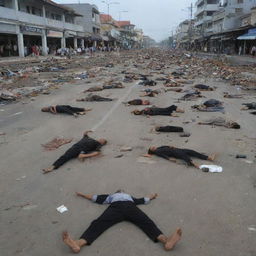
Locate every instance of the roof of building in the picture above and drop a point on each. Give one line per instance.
(105, 18)
(70, 10)
(123, 23)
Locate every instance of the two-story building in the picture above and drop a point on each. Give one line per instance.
(26, 23)
(109, 30)
(127, 33)
(89, 20)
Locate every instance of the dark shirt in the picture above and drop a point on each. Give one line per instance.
(87, 145)
(160, 111)
(135, 102)
(202, 86)
(64, 109)
(166, 152)
(212, 103)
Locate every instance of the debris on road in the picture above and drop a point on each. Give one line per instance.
(62, 209)
(56, 143)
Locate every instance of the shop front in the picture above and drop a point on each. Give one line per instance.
(32, 40)
(8, 40)
(54, 40)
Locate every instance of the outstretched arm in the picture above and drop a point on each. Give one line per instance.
(144, 200)
(88, 197)
(84, 156)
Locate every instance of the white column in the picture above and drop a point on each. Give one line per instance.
(44, 43)
(15, 5)
(21, 44)
(95, 44)
(44, 12)
(82, 43)
(63, 41)
(75, 43)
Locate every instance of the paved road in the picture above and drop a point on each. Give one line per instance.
(215, 211)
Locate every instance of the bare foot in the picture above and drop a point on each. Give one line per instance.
(174, 115)
(82, 113)
(173, 240)
(212, 157)
(70, 242)
(47, 170)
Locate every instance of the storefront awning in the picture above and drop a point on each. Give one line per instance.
(251, 35)
(54, 34)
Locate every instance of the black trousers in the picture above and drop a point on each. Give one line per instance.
(118, 212)
(66, 109)
(185, 155)
(71, 153)
(76, 110)
(169, 129)
(98, 98)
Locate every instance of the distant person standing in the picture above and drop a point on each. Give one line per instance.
(253, 50)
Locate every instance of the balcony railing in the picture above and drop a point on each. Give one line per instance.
(22, 17)
(207, 8)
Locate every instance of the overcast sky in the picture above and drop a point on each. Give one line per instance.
(157, 18)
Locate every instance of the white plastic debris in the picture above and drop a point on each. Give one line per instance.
(211, 168)
(252, 228)
(62, 209)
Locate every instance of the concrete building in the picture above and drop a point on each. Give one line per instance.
(24, 23)
(185, 33)
(230, 15)
(109, 30)
(89, 20)
(204, 13)
(127, 33)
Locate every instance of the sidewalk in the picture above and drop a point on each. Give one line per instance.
(232, 59)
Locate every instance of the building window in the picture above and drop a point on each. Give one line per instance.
(2, 3)
(28, 9)
(240, 1)
(33, 10)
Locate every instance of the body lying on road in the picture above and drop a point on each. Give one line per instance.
(94, 97)
(172, 153)
(137, 102)
(123, 207)
(154, 111)
(85, 148)
(220, 121)
(65, 109)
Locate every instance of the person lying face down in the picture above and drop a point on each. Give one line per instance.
(191, 95)
(122, 207)
(154, 111)
(137, 102)
(168, 128)
(169, 153)
(220, 121)
(232, 96)
(203, 87)
(94, 97)
(94, 89)
(65, 109)
(248, 106)
(114, 86)
(85, 148)
(211, 105)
